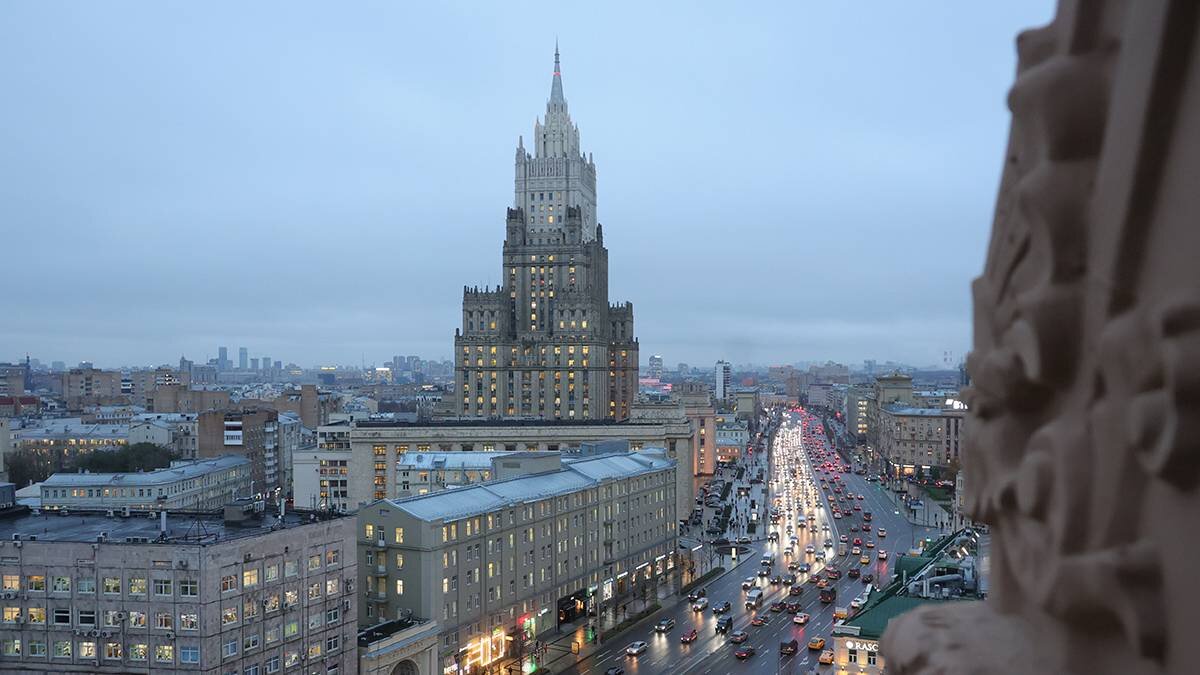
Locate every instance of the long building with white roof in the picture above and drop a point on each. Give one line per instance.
(200, 485)
(512, 558)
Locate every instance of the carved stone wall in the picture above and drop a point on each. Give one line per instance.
(1084, 446)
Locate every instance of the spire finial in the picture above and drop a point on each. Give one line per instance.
(556, 93)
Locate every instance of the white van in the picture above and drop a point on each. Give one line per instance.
(754, 598)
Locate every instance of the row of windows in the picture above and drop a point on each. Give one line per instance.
(36, 583)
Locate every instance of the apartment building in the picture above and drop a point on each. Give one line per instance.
(253, 593)
(252, 433)
(511, 559)
(920, 441)
(198, 485)
(374, 447)
(177, 431)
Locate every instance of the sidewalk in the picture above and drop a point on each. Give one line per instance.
(930, 513)
(559, 655)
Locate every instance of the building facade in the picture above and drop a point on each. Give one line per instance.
(252, 433)
(373, 472)
(547, 343)
(698, 407)
(178, 594)
(507, 561)
(722, 381)
(924, 442)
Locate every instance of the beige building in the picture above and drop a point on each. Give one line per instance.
(176, 398)
(141, 384)
(919, 441)
(375, 446)
(698, 407)
(201, 485)
(856, 411)
(181, 432)
(83, 386)
(894, 389)
(188, 594)
(507, 561)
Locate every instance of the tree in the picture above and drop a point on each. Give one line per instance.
(128, 459)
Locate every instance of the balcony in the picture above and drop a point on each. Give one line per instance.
(380, 543)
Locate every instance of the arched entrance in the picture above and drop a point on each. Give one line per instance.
(406, 667)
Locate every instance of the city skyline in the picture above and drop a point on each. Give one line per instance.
(268, 165)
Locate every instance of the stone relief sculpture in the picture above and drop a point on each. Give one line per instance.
(1084, 431)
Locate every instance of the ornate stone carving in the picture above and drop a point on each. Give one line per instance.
(1084, 434)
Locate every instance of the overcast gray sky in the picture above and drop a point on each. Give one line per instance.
(317, 181)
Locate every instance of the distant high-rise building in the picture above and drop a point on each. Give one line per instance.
(547, 343)
(723, 380)
(684, 369)
(254, 363)
(58, 366)
(656, 367)
(266, 363)
(278, 366)
(243, 358)
(222, 358)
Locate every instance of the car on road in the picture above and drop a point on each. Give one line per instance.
(738, 637)
(801, 618)
(856, 551)
(853, 572)
(744, 652)
(764, 572)
(821, 583)
(860, 497)
(882, 533)
(743, 540)
(834, 574)
(844, 539)
(664, 625)
(870, 544)
(689, 637)
(865, 560)
(635, 648)
(819, 556)
(776, 580)
(826, 657)
(858, 541)
(697, 594)
(760, 620)
(699, 604)
(789, 580)
(809, 549)
(796, 590)
(816, 644)
(789, 647)
(778, 606)
(793, 606)
(748, 583)
(868, 578)
(805, 567)
(615, 670)
(724, 624)
(882, 554)
(722, 607)
(793, 566)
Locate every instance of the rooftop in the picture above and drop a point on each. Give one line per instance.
(176, 472)
(919, 412)
(577, 473)
(71, 428)
(182, 528)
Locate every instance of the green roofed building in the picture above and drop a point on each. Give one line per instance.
(943, 574)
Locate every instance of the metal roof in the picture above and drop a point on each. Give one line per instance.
(177, 472)
(577, 473)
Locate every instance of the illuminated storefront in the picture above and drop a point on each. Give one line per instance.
(855, 656)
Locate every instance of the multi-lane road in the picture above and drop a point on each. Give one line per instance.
(712, 652)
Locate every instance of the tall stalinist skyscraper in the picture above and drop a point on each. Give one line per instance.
(547, 343)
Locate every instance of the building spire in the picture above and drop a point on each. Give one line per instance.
(556, 92)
